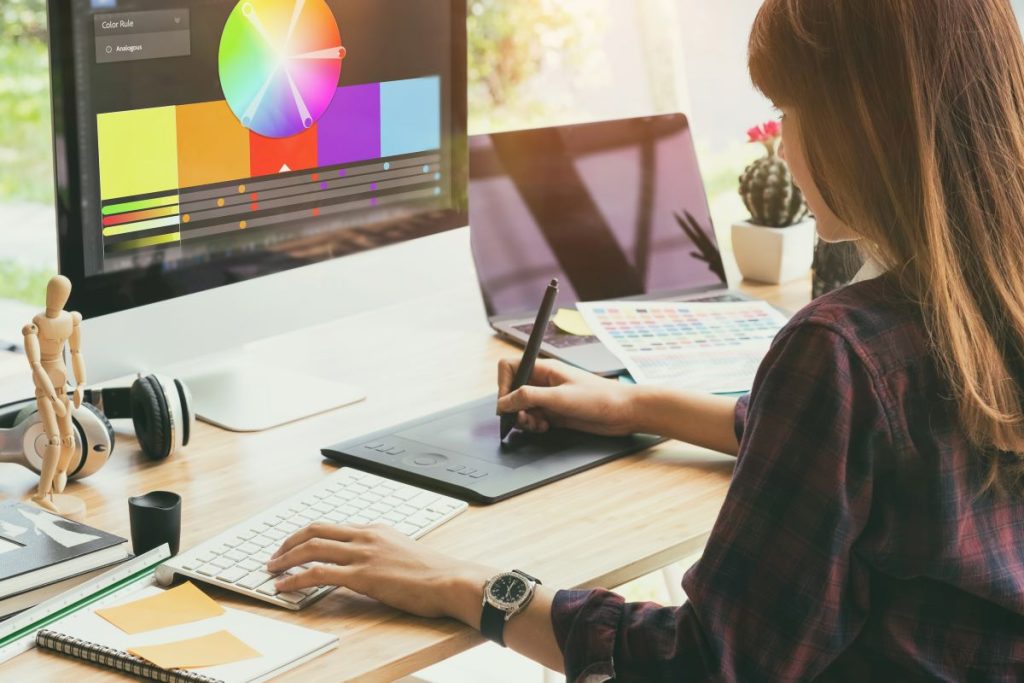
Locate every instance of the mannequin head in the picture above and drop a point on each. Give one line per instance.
(57, 292)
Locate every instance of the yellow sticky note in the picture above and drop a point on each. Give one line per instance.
(210, 650)
(181, 605)
(571, 322)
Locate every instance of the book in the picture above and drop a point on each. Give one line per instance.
(32, 597)
(281, 646)
(38, 548)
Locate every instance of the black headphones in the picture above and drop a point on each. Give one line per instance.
(160, 407)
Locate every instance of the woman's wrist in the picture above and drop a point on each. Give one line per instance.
(464, 591)
(644, 406)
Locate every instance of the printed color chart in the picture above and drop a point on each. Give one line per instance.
(707, 347)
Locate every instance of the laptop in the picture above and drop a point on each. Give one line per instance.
(614, 209)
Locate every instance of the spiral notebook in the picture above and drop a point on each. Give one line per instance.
(282, 646)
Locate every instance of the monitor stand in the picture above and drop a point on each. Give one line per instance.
(247, 394)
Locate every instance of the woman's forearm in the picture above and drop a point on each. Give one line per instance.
(700, 419)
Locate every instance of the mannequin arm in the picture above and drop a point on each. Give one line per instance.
(77, 360)
(30, 333)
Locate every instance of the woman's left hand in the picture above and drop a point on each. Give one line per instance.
(383, 564)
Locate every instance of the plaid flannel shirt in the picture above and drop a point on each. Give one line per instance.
(852, 544)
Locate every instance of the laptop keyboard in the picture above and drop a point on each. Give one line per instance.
(561, 340)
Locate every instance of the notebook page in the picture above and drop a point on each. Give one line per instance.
(281, 644)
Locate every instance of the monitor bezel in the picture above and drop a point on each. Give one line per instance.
(105, 294)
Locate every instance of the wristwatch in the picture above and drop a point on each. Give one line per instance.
(505, 596)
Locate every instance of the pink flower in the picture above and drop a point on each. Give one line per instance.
(756, 134)
(772, 129)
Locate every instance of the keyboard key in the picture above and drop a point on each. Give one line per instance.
(248, 548)
(209, 570)
(222, 562)
(423, 499)
(360, 519)
(232, 575)
(275, 534)
(250, 565)
(262, 541)
(268, 588)
(234, 555)
(406, 528)
(254, 580)
(421, 518)
(294, 597)
(394, 517)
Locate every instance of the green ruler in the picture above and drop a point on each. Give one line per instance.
(18, 634)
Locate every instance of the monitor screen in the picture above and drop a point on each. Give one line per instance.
(613, 209)
(203, 142)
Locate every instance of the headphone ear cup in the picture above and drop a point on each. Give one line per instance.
(103, 420)
(188, 416)
(25, 413)
(151, 417)
(92, 427)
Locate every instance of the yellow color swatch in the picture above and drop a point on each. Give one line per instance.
(138, 152)
(213, 146)
(181, 605)
(214, 649)
(570, 321)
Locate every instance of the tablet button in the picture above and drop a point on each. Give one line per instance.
(424, 459)
(456, 468)
(478, 475)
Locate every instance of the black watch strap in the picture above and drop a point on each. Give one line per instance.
(492, 624)
(492, 619)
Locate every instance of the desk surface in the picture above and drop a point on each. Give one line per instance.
(412, 359)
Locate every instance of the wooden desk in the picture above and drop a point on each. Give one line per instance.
(603, 527)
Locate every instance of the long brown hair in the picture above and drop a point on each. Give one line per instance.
(911, 114)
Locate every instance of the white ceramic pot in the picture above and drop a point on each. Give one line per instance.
(774, 255)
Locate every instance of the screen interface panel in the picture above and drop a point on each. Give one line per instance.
(218, 129)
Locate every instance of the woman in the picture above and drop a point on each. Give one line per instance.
(875, 523)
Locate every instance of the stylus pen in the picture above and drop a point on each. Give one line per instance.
(532, 351)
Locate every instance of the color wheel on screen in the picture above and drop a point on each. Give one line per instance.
(279, 63)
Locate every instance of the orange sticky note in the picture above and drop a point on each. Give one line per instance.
(181, 605)
(214, 649)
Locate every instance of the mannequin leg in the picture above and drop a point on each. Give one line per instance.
(51, 456)
(67, 445)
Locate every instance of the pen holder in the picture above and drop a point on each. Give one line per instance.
(155, 519)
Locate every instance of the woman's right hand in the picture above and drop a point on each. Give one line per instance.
(562, 396)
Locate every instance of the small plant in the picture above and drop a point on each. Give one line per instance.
(767, 186)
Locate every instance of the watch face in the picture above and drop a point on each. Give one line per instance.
(508, 589)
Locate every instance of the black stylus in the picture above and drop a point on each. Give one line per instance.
(532, 351)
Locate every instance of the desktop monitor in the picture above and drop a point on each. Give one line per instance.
(215, 160)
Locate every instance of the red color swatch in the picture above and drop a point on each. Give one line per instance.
(268, 156)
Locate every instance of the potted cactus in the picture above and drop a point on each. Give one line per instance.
(777, 243)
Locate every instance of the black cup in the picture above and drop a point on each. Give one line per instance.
(155, 519)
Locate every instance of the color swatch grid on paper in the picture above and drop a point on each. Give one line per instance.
(709, 347)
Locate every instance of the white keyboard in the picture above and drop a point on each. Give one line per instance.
(236, 559)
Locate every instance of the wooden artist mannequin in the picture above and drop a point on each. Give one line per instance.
(45, 338)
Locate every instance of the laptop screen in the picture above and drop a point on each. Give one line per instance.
(612, 209)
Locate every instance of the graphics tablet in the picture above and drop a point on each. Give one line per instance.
(458, 452)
